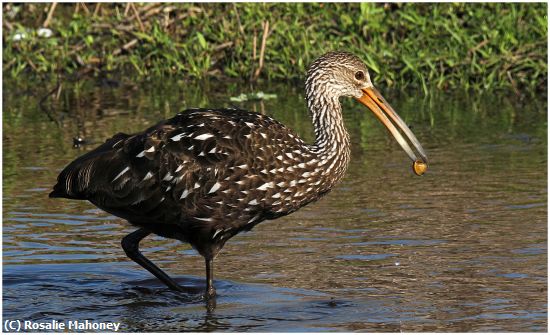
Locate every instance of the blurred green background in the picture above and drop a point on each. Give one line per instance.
(444, 45)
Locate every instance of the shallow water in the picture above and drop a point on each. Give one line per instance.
(463, 248)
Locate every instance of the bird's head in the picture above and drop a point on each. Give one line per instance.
(338, 74)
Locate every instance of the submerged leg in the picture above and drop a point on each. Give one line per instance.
(210, 290)
(130, 244)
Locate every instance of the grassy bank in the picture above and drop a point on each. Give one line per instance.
(481, 46)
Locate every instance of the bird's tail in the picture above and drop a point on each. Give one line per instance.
(74, 182)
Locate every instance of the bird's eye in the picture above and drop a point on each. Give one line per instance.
(360, 75)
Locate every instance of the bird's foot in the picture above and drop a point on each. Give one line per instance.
(210, 293)
(210, 298)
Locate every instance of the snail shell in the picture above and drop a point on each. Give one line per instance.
(419, 167)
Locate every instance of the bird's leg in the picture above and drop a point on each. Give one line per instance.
(130, 244)
(210, 290)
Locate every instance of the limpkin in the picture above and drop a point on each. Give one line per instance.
(205, 175)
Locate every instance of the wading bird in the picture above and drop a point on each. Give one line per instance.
(205, 175)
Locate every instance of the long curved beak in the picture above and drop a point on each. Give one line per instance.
(384, 112)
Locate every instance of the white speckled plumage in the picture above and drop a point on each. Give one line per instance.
(207, 174)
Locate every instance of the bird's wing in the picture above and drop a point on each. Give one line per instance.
(133, 175)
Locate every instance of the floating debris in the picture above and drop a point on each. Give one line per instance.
(253, 96)
(79, 141)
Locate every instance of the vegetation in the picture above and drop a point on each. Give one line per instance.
(480, 46)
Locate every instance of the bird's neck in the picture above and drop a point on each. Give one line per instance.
(332, 144)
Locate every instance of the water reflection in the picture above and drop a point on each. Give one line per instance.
(462, 248)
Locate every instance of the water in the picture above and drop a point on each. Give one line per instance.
(462, 248)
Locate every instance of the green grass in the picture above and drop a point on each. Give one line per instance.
(444, 45)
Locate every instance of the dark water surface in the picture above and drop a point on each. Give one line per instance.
(463, 248)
